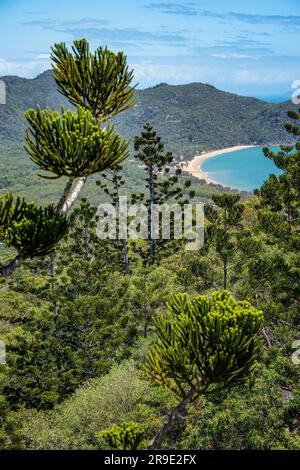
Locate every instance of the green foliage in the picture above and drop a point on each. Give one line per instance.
(77, 339)
(70, 322)
(162, 186)
(32, 231)
(72, 144)
(11, 436)
(99, 81)
(203, 342)
(278, 209)
(38, 232)
(120, 396)
(263, 416)
(229, 217)
(256, 417)
(81, 322)
(127, 436)
(148, 290)
(10, 211)
(293, 128)
(112, 184)
(260, 415)
(224, 226)
(279, 195)
(31, 375)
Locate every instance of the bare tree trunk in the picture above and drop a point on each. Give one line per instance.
(65, 194)
(146, 322)
(70, 194)
(225, 275)
(268, 340)
(225, 262)
(176, 415)
(117, 202)
(152, 241)
(125, 257)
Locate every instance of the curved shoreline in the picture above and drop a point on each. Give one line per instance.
(194, 166)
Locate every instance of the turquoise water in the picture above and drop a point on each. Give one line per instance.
(243, 169)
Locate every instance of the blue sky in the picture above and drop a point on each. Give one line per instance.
(248, 47)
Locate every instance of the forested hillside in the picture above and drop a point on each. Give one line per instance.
(191, 118)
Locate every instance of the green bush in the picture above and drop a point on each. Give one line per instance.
(260, 417)
(122, 395)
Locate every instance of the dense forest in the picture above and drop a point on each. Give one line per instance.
(143, 344)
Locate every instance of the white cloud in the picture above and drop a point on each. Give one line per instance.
(233, 56)
(28, 69)
(42, 56)
(150, 73)
(264, 76)
(220, 74)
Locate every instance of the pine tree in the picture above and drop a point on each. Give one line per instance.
(203, 345)
(278, 208)
(112, 184)
(69, 144)
(222, 230)
(99, 82)
(127, 436)
(64, 330)
(279, 196)
(161, 185)
(32, 231)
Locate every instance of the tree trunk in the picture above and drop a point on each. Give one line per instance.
(290, 219)
(52, 275)
(117, 202)
(71, 194)
(225, 262)
(146, 322)
(176, 415)
(151, 225)
(225, 272)
(125, 257)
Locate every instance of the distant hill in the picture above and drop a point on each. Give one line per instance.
(22, 94)
(190, 118)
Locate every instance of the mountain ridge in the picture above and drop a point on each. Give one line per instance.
(190, 118)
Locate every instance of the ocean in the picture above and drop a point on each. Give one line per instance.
(244, 169)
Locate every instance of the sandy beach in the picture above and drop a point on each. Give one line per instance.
(194, 166)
